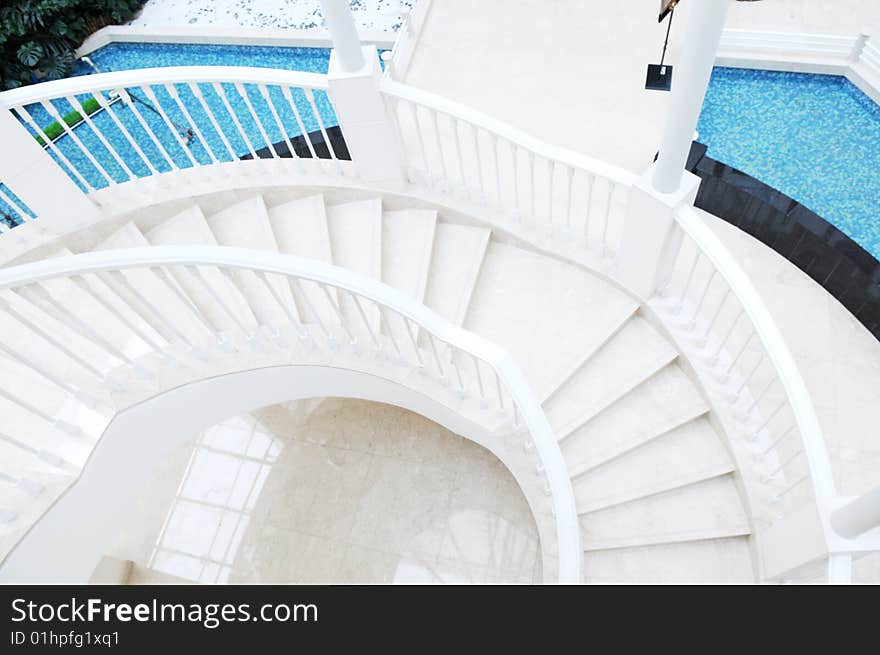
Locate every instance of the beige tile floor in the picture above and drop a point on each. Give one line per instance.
(334, 491)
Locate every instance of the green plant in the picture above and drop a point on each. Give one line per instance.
(39, 37)
(55, 129)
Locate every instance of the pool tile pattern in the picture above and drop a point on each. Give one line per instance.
(816, 138)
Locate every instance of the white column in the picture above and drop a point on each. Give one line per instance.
(857, 516)
(692, 71)
(340, 23)
(32, 175)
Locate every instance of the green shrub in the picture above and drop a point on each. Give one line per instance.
(38, 38)
(55, 129)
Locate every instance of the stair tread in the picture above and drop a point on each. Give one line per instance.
(150, 286)
(301, 229)
(633, 354)
(190, 227)
(356, 243)
(518, 292)
(356, 236)
(687, 454)
(407, 242)
(718, 561)
(703, 510)
(661, 403)
(455, 265)
(246, 224)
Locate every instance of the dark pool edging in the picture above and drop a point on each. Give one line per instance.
(302, 150)
(843, 268)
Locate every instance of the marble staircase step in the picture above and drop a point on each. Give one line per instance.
(455, 265)
(631, 356)
(690, 453)
(246, 225)
(709, 509)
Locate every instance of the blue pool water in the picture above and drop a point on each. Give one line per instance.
(816, 138)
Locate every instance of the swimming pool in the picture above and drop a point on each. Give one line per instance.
(816, 138)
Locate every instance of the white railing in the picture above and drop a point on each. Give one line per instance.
(455, 151)
(121, 126)
(328, 308)
(397, 64)
(718, 316)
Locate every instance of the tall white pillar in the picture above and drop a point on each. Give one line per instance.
(346, 43)
(651, 237)
(692, 71)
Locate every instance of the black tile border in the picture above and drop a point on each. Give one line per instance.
(840, 265)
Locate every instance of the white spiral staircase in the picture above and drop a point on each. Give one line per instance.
(224, 250)
(655, 486)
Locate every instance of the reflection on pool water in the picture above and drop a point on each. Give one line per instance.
(816, 138)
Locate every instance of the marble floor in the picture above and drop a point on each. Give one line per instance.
(333, 491)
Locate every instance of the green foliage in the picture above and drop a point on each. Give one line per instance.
(54, 130)
(39, 37)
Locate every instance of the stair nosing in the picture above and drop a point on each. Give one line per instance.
(672, 538)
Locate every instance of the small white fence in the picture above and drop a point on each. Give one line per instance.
(398, 61)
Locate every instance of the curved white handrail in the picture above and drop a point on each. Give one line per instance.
(508, 132)
(149, 76)
(774, 345)
(546, 445)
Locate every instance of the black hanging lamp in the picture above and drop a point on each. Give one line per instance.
(659, 76)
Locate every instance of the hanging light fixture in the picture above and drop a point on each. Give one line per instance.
(659, 76)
